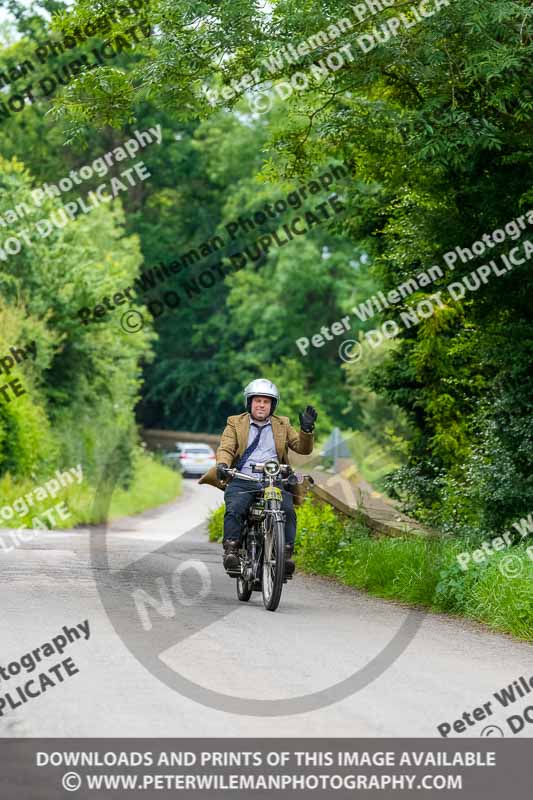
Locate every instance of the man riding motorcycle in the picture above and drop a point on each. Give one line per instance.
(256, 436)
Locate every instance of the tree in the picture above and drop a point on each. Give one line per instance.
(83, 383)
(435, 124)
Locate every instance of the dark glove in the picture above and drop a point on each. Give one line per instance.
(221, 472)
(307, 419)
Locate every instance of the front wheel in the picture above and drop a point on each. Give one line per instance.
(273, 564)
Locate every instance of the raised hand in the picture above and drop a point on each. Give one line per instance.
(308, 419)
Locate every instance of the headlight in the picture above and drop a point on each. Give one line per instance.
(271, 468)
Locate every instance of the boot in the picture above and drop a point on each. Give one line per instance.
(289, 563)
(231, 557)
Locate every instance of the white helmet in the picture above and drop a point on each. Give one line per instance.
(263, 387)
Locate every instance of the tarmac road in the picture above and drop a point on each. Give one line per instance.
(163, 605)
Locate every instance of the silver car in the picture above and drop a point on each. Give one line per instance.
(195, 458)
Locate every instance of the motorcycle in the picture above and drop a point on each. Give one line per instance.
(262, 551)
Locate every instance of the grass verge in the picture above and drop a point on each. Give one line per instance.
(152, 485)
(412, 569)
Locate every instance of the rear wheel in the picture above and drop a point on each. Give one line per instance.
(244, 589)
(244, 585)
(273, 562)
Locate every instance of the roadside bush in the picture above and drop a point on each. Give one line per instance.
(215, 524)
(411, 569)
(84, 381)
(152, 485)
(504, 602)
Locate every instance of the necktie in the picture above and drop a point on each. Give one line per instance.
(251, 447)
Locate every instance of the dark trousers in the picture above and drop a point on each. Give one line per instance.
(238, 497)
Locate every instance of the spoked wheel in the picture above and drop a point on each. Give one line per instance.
(273, 564)
(244, 587)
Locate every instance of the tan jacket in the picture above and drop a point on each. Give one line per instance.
(234, 441)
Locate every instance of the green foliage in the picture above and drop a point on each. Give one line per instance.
(373, 460)
(247, 324)
(506, 603)
(456, 585)
(320, 533)
(435, 128)
(215, 524)
(410, 569)
(416, 570)
(26, 441)
(152, 485)
(401, 568)
(83, 383)
(379, 446)
(485, 593)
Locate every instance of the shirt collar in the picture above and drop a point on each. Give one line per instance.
(260, 424)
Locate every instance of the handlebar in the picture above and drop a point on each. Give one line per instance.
(300, 477)
(234, 473)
